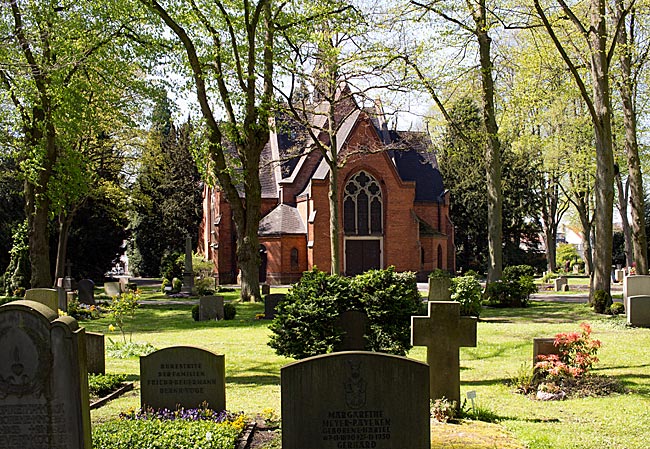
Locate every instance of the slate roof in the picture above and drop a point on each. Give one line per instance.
(284, 219)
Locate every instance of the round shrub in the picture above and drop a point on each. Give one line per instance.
(514, 288)
(468, 292)
(177, 284)
(305, 323)
(195, 312)
(601, 301)
(617, 308)
(229, 311)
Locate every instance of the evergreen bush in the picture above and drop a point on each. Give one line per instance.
(601, 301)
(468, 292)
(305, 323)
(196, 312)
(617, 308)
(514, 288)
(229, 311)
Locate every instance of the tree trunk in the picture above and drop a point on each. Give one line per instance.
(65, 223)
(492, 154)
(622, 208)
(551, 215)
(635, 177)
(39, 245)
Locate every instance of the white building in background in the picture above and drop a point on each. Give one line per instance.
(573, 236)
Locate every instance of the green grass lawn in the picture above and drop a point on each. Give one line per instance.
(504, 345)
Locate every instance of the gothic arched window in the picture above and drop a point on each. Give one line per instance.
(362, 206)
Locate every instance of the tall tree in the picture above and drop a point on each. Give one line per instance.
(475, 19)
(229, 48)
(592, 26)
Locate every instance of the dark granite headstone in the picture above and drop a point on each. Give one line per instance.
(86, 292)
(355, 400)
(443, 331)
(211, 308)
(353, 325)
(183, 376)
(95, 353)
(46, 296)
(266, 289)
(271, 302)
(43, 379)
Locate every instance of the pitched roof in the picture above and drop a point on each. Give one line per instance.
(284, 219)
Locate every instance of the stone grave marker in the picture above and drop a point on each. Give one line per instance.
(443, 331)
(86, 292)
(63, 298)
(271, 302)
(183, 376)
(544, 346)
(634, 286)
(43, 379)
(355, 400)
(353, 324)
(211, 308)
(637, 310)
(266, 289)
(561, 284)
(439, 289)
(46, 296)
(112, 289)
(95, 353)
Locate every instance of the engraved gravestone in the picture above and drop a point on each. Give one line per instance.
(46, 296)
(443, 331)
(355, 400)
(183, 376)
(43, 379)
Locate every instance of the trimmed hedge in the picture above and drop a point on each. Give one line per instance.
(305, 323)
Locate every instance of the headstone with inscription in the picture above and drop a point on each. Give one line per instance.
(353, 325)
(211, 308)
(443, 331)
(439, 289)
(86, 292)
(43, 379)
(544, 346)
(271, 302)
(183, 376)
(46, 296)
(355, 400)
(95, 353)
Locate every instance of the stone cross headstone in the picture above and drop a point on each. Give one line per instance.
(86, 292)
(271, 302)
(112, 289)
(183, 376)
(46, 296)
(95, 353)
(43, 379)
(439, 289)
(355, 400)
(188, 270)
(443, 331)
(211, 308)
(544, 346)
(353, 325)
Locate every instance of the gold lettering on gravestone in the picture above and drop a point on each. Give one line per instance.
(181, 378)
(26, 426)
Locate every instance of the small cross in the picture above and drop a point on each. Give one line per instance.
(443, 331)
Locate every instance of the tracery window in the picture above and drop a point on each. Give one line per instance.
(362, 206)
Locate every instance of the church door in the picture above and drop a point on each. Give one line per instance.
(362, 255)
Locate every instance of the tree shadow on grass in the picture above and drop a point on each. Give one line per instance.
(538, 312)
(261, 379)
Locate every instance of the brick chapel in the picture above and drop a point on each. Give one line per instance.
(394, 209)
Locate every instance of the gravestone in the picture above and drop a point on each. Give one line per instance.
(271, 302)
(544, 346)
(561, 284)
(353, 325)
(443, 331)
(112, 289)
(636, 285)
(638, 310)
(619, 274)
(63, 298)
(266, 289)
(86, 292)
(188, 270)
(211, 308)
(46, 296)
(439, 289)
(95, 353)
(355, 400)
(183, 376)
(43, 379)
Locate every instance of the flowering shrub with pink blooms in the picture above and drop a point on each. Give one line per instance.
(577, 355)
